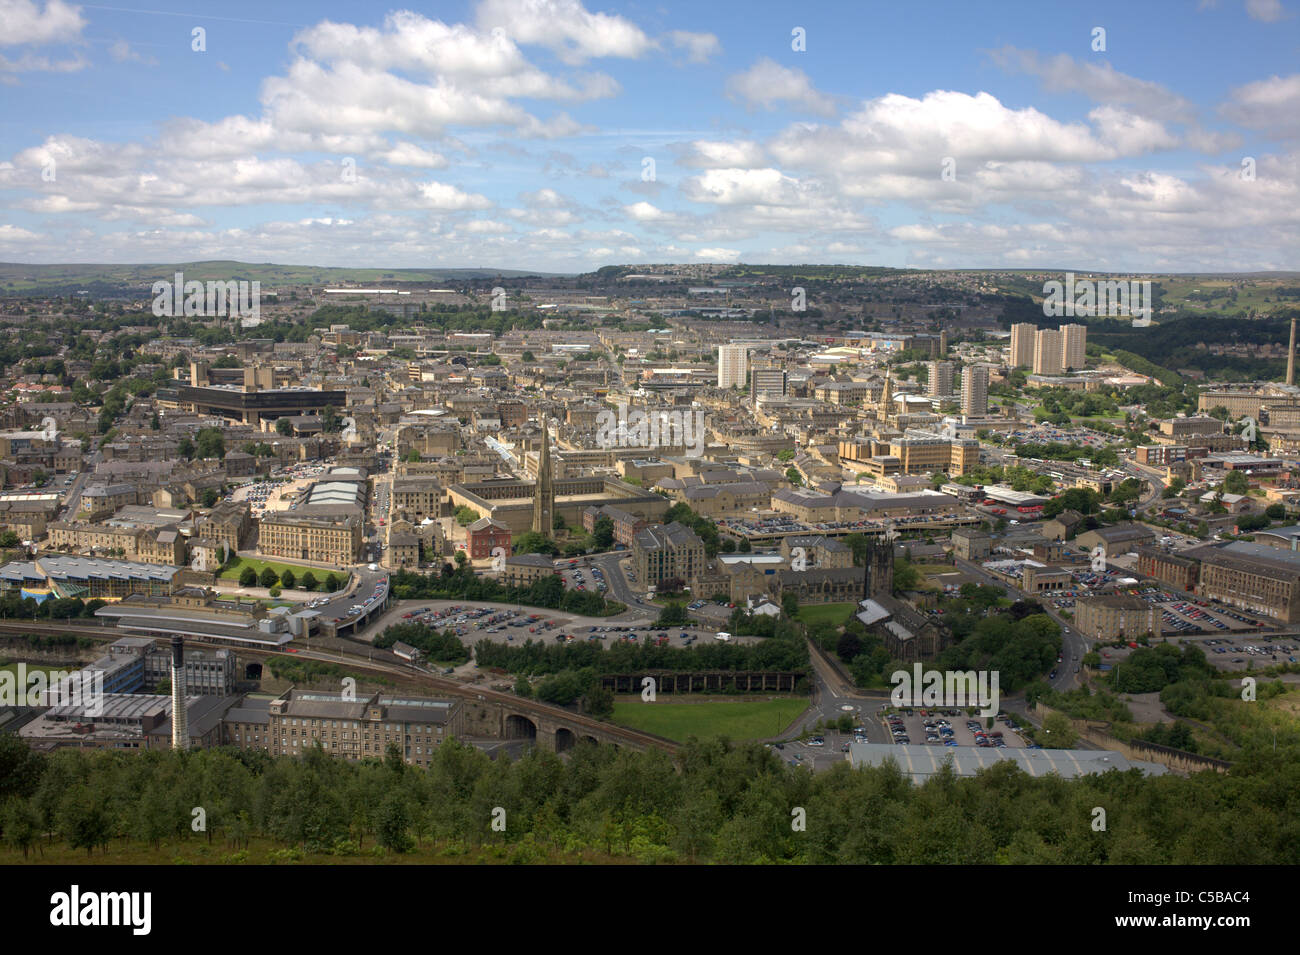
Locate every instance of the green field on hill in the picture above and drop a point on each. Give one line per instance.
(826, 613)
(737, 721)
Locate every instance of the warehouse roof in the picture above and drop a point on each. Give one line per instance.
(922, 762)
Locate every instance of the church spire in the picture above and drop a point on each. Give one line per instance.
(543, 491)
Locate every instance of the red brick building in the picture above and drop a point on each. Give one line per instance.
(485, 535)
(625, 525)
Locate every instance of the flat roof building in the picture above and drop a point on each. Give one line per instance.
(922, 762)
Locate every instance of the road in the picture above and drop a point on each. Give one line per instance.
(618, 586)
(1152, 476)
(832, 697)
(73, 500)
(1073, 644)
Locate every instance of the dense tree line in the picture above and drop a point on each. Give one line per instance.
(1058, 451)
(1174, 343)
(718, 803)
(46, 641)
(304, 671)
(463, 584)
(706, 528)
(13, 606)
(1150, 670)
(535, 657)
(441, 647)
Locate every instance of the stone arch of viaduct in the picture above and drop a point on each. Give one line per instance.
(493, 718)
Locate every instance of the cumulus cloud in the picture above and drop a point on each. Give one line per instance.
(646, 212)
(769, 187)
(707, 154)
(1271, 106)
(1100, 82)
(12, 233)
(346, 134)
(565, 27)
(767, 84)
(28, 22)
(409, 154)
(698, 47)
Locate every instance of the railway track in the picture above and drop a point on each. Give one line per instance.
(442, 685)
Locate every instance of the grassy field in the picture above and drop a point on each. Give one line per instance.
(737, 721)
(239, 563)
(826, 613)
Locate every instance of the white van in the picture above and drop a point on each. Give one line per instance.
(724, 637)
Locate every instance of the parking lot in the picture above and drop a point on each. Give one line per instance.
(1239, 654)
(1179, 613)
(1227, 653)
(277, 495)
(581, 575)
(765, 525)
(821, 751)
(511, 623)
(1053, 434)
(951, 727)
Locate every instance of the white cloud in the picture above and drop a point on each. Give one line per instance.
(1129, 133)
(483, 227)
(1100, 82)
(31, 63)
(1271, 106)
(740, 154)
(699, 47)
(645, 212)
(121, 52)
(1266, 11)
(439, 195)
(767, 84)
(409, 154)
(768, 187)
(13, 233)
(564, 26)
(28, 22)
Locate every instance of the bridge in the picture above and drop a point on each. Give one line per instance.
(487, 712)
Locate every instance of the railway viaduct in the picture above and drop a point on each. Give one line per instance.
(488, 713)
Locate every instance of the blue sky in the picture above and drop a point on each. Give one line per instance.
(523, 134)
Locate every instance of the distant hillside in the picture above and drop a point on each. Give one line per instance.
(24, 279)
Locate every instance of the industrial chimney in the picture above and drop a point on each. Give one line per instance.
(180, 722)
(1290, 357)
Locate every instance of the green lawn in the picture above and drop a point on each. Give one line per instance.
(937, 570)
(239, 563)
(826, 613)
(737, 721)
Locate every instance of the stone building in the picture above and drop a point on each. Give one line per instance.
(361, 728)
(1116, 616)
(667, 552)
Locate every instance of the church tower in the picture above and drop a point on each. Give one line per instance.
(886, 399)
(878, 572)
(544, 491)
